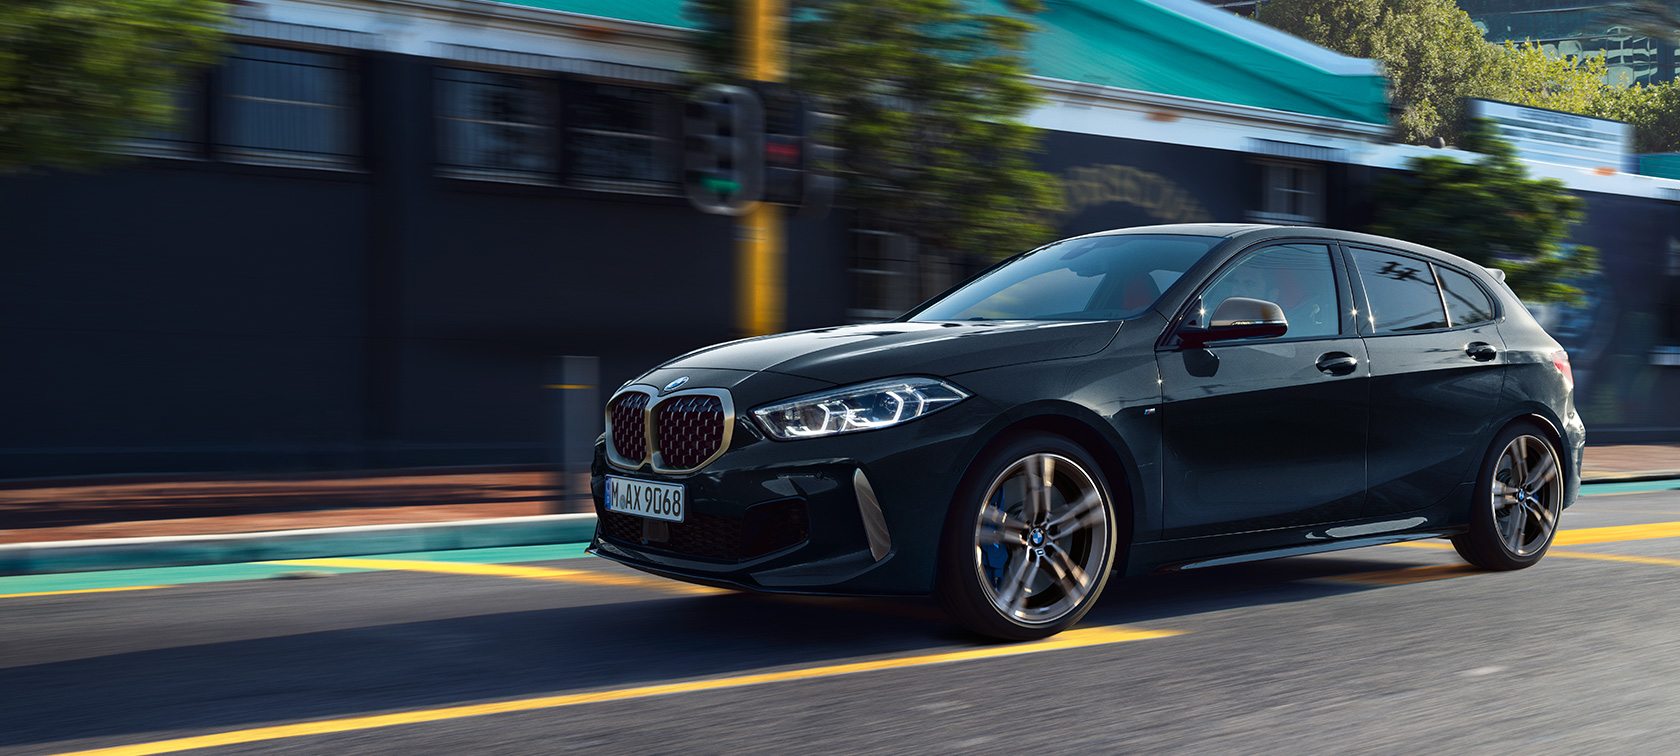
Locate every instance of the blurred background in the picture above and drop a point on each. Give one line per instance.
(355, 234)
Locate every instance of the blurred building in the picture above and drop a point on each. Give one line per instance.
(1562, 28)
(383, 217)
(1566, 28)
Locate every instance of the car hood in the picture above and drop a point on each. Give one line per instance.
(846, 354)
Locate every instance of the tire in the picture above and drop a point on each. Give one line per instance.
(1518, 500)
(1018, 566)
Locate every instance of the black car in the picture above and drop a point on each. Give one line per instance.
(1142, 400)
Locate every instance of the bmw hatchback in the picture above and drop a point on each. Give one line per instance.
(1134, 401)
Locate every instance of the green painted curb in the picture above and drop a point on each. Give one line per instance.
(182, 551)
(1629, 477)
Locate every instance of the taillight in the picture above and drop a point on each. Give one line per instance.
(1560, 360)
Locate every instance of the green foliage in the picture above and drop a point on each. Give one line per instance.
(930, 97)
(79, 76)
(1432, 53)
(1526, 75)
(1435, 58)
(1489, 211)
(1653, 109)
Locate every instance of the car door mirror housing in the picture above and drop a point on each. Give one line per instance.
(1238, 318)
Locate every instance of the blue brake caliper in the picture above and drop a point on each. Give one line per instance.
(994, 555)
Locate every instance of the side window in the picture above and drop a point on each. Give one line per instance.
(1401, 291)
(1467, 303)
(1297, 277)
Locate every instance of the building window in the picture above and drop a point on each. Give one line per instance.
(282, 106)
(496, 125)
(1290, 193)
(883, 274)
(621, 136)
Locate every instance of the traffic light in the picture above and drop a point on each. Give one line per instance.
(723, 149)
(784, 143)
(798, 152)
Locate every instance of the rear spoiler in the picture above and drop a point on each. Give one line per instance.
(1498, 275)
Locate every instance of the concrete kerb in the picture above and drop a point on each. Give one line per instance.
(362, 540)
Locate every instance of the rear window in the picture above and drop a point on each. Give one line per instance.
(1091, 278)
(1401, 291)
(1467, 303)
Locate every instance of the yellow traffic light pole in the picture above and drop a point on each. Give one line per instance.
(759, 276)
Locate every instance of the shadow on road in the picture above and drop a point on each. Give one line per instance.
(637, 639)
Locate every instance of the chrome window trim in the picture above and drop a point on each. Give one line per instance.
(650, 433)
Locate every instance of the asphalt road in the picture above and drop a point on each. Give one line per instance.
(1389, 650)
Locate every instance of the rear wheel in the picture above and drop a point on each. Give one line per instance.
(1030, 540)
(1518, 501)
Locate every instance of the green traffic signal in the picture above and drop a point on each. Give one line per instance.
(720, 185)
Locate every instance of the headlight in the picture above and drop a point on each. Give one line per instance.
(866, 406)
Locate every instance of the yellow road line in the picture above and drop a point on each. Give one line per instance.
(1446, 571)
(1423, 545)
(1071, 639)
(1614, 558)
(1581, 536)
(510, 571)
(1552, 553)
(1567, 538)
(82, 590)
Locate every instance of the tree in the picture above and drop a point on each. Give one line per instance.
(930, 97)
(1433, 54)
(77, 77)
(1435, 58)
(1525, 75)
(1490, 212)
(1653, 109)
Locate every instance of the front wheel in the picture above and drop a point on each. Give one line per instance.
(1030, 540)
(1518, 501)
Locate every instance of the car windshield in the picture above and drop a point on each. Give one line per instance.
(1089, 278)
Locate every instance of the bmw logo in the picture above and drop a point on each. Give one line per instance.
(674, 385)
(1037, 537)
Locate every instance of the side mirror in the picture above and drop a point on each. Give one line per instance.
(1238, 318)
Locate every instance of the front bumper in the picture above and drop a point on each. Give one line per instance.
(786, 516)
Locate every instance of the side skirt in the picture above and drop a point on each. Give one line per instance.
(1438, 521)
(1312, 548)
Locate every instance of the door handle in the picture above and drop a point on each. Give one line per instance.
(1481, 351)
(1337, 363)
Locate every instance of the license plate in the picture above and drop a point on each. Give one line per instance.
(661, 501)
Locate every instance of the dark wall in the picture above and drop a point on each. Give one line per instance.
(1114, 183)
(1626, 315)
(176, 315)
(178, 308)
(194, 315)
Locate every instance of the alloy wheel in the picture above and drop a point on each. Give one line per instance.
(1527, 495)
(1041, 540)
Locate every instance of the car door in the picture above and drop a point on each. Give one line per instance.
(1268, 432)
(1437, 366)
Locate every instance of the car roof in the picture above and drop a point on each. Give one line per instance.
(1190, 229)
(1250, 232)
